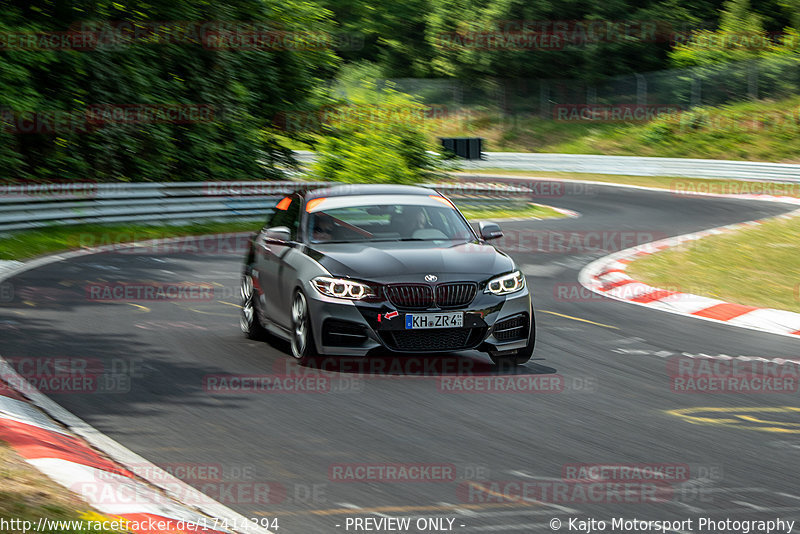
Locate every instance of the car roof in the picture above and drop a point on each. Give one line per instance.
(368, 189)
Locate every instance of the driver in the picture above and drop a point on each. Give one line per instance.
(412, 219)
(323, 228)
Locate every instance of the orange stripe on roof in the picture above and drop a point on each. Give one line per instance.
(724, 311)
(442, 200)
(313, 203)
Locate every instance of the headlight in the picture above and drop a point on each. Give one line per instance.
(508, 283)
(342, 288)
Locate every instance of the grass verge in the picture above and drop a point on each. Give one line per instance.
(532, 211)
(764, 130)
(31, 243)
(756, 266)
(27, 495)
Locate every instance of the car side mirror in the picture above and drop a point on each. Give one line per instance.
(490, 230)
(277, 234)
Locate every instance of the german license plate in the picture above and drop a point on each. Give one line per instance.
(416, 321)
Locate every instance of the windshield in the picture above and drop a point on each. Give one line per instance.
(403, 222)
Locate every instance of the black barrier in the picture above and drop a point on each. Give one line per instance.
(464, 147)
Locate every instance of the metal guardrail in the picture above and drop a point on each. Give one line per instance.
(628, 166)
(641, 166)
(30, 206)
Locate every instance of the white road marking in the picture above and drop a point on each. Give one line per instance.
(700, 355)
(751, 505)
(460, 511)
(541, 271)
(535, 477)
(348, 505)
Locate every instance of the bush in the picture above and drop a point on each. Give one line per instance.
(377, 135)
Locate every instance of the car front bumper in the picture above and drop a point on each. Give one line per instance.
(349, 328)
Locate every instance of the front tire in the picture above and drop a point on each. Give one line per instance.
(303, 347)
(248, 319)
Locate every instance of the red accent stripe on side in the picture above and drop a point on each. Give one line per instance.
(796, 333)
(724, 311)
(655, 295)
(32, 442)
(162, 524)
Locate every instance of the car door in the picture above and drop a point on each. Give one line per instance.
(277, 239)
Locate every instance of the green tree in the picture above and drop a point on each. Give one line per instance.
(376, 135)
(173, 65)
(740, 36)
(739, 60)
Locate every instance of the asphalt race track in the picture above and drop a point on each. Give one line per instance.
(598, 392)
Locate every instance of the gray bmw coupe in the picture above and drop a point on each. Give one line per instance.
(356, 269)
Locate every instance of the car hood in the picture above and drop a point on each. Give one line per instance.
(405, 261)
